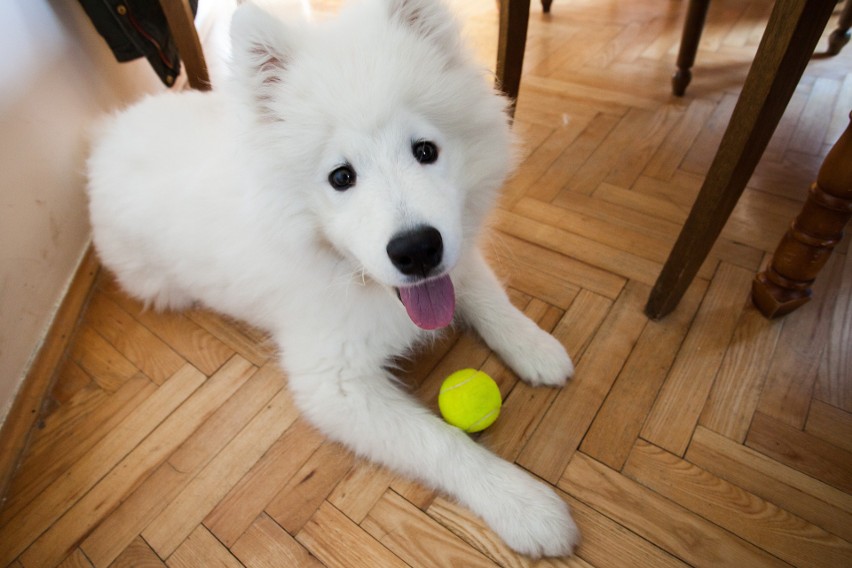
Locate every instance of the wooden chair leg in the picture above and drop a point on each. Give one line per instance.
(840, 36)
(791, 34)
(806, 246)
(514, 18)
(696, 14)
(182, 25)
(545, 6)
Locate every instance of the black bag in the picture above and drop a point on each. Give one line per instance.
(136, 28)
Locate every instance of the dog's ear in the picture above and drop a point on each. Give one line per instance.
(262, 48)
(431, 19)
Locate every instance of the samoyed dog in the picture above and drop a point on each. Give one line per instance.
(332, 193)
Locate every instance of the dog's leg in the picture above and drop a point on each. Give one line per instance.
(370, 414)
(531, 352)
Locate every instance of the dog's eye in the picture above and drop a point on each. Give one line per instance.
(342, 178)
(424, 151)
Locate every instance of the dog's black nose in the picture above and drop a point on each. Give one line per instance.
(417, 251)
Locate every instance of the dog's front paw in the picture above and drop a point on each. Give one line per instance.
(531, 518)
(538, 358)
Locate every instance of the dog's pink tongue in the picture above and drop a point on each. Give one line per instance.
(430, 305)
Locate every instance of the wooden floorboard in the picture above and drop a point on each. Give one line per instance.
(711, 438)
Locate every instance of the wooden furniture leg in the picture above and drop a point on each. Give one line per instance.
(791, 34)
(806, 246)
(545, 6)
(696, 14)
(514, 18)
(840, 36)
(182, 25)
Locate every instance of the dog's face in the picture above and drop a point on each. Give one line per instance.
(387, 132)
(388, 199)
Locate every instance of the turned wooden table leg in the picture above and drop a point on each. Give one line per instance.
(806, 246)
(696, 13)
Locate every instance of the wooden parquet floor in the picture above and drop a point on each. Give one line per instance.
(712, 438)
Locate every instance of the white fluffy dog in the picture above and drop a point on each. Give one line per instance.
(332, 194)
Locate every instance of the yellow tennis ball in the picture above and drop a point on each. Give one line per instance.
(470, 400)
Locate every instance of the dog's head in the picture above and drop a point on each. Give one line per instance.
(380, 124)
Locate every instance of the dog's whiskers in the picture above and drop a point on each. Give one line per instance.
(346, 279)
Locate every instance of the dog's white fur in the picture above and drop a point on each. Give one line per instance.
(223, 198)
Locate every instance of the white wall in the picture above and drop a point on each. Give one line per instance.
(56, 77)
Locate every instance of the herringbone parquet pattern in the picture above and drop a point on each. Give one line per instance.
(712, 438)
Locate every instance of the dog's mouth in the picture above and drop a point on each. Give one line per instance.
(430, 304)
